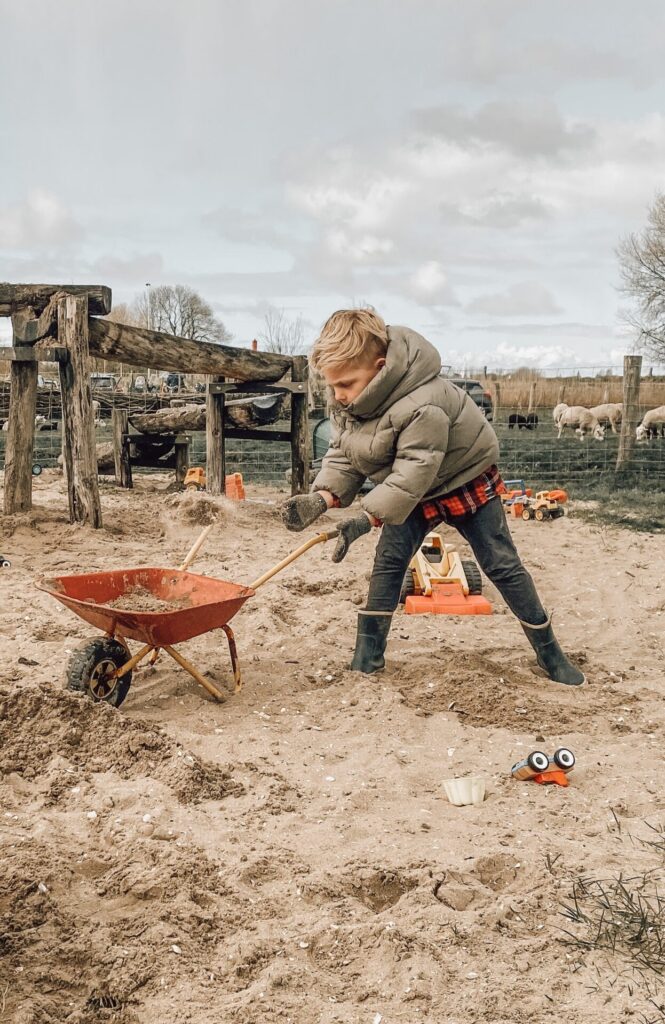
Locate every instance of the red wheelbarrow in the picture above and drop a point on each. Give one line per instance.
(103, 667)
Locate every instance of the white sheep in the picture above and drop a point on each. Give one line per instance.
(558, 411)
(5, 425)
(608, 415)
(652, 421)
(581, 420)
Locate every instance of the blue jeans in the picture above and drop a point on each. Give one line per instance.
(486, 531)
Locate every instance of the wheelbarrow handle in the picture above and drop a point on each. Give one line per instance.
(194, 550)
(320, 538)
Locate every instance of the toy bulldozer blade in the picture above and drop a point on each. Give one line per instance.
(439, 582)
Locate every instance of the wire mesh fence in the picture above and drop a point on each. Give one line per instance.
(531, 450)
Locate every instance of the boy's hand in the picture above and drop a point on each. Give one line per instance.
(349, 530)
(303, 509)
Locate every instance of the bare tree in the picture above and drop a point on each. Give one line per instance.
(124, 314)
(642, 265)
(281, 334)
(178, 310)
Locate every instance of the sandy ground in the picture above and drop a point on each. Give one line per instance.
(290, 855)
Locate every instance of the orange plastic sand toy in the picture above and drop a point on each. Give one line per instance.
(439, 582)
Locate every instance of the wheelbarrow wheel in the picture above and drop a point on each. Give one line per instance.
(473, 576)
(90, 669)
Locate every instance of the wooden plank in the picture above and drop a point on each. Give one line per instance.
(14, 297)
(632, 372)
(257, 387)
(78, 428)
(28, 354)
(138, 346)
(121, 457)
(241, 434)
(182, 443)
(20, 438)
(300, 430)
(215, 444)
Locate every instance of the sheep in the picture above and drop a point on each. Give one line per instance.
(5, 425)
(558, 411)
(651, 422)
(608, 415)
(581, 420)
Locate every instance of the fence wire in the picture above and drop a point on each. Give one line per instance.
(535, 454)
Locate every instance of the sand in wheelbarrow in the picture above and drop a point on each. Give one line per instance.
(138, 599)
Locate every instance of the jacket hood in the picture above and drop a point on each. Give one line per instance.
(411, 361)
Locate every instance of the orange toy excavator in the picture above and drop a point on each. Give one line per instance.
(439, 582)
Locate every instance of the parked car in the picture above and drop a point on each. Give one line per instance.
(103, 381)
(174, 382)
(143, 385)
(475, 391)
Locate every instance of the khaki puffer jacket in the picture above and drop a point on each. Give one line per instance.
(413, 433)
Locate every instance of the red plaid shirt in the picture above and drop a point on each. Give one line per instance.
(464, 500)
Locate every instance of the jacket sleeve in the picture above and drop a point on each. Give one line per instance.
(337, 475)
(421, 448)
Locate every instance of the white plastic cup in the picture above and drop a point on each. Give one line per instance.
(461, 792)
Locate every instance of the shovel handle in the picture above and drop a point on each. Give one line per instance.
(194, 550)
(320, 538)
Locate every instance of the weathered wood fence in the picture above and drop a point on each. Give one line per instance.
(60, 323)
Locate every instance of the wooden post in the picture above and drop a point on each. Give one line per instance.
(632, 370)
(532, 397)
(78, 427)
(182, 442)
(561, 395)
(497, 401)
(123, 463)
(20, 437)
(300, 450)
(215, 443)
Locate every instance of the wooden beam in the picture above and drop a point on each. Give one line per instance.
(20, 438)
(242, 434)
(30, 354)
(182, 443)
(29, 328)
(215, 444)
(632, 372)
(299, 430)
(121, 457)
(14, 297)
(138, 346)
(78, 428)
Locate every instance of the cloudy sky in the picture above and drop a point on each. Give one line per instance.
(466, 166)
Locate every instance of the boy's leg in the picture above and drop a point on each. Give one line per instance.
(487, 533)
(397, 546)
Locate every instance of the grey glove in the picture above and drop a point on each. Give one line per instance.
(303, 509)
(349, 530)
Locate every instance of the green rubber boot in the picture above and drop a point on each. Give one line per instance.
(371, 639)
(550, 656)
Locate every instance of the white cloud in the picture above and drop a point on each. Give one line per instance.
(41, 219)
(524, 298)
(429, 282)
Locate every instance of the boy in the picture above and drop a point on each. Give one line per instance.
(432, 456)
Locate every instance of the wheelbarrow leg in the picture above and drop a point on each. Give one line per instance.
(194, 672)
(233, 651)
(133, 662)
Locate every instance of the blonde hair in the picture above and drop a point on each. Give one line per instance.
(350, 336)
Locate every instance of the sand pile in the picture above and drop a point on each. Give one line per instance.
(138, 599)
(290, 856)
